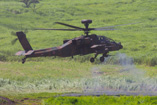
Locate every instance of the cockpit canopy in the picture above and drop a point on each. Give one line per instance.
(104, 39)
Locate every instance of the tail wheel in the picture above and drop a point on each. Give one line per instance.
(23, 60)
(102, 59)
(92, 60)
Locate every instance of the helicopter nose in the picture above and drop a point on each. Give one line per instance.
(120, 46)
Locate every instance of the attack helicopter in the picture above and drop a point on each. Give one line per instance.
(85, 44)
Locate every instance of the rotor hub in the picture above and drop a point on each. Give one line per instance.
(85, 21)
(86, 24)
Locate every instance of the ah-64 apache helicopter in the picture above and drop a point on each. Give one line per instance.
(85, 44)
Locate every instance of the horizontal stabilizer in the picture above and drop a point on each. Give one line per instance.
(20, 53)
(24, 53)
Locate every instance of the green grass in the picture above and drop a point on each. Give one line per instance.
(78, 74)
(51, 99)
(70, 76)
(139, 40)
(47, 69)
(102, 100)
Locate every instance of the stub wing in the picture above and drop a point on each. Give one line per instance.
(98, 46)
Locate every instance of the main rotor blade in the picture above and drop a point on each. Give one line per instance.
(69, 25)
(101, 29)
(59, 29)
(117, 25)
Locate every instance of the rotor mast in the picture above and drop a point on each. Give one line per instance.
(86, 24)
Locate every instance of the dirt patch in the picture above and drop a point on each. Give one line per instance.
(109, 93)
(6, 101)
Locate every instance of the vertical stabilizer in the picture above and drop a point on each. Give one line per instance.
(23, 40)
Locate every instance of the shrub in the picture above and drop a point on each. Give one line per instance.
(29, 2)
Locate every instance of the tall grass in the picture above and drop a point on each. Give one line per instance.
(119, 85)
(57, 76)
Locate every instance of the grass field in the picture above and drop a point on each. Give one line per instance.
(24, 83)
(139, 40)
(131, 69)
(51, 99)
(102, 100)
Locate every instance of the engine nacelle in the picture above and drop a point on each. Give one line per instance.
(81, 41)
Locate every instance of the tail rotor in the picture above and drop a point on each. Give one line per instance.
(14, 34)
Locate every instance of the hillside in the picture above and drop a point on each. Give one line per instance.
(39, 80)
(139, 40)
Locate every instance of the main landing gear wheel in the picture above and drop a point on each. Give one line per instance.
(102, 59)
(23, 60)
(92, 60)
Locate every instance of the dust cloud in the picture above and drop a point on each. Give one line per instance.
(127, 81)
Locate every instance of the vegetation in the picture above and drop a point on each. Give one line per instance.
(102, 100)
(29, 2)
(139, 40)
(68, 76)
(27, 99)
(78, 74)
(51, 99)
(2, 101)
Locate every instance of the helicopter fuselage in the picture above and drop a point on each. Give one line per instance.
(78, 46)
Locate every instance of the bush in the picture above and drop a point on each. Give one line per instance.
(29, 2)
